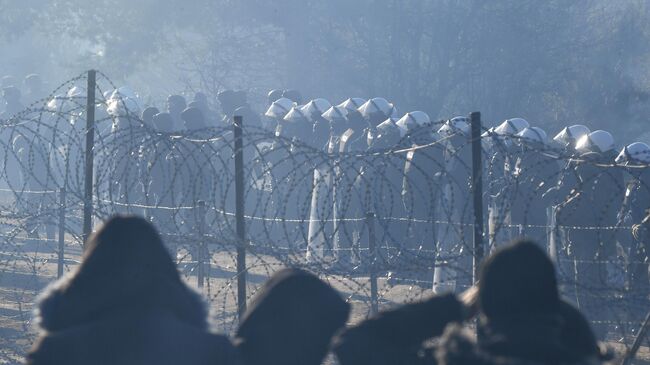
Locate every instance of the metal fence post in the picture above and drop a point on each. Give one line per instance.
(372, 255)
(90, 141)
(61, 253)
(551, 231)
(239, 216)
(640, 337)
(477, 190)
(201, 245)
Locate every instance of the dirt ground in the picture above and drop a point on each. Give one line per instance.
(28, 266)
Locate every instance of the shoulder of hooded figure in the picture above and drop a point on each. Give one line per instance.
(224, 351)
(47, 349)
(405, 326)
(457, 346)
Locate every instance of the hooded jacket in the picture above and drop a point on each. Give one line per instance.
(126, 304)
(291, 321)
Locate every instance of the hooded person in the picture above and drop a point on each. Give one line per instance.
(125, 304)
(291, 321)
(518, 323)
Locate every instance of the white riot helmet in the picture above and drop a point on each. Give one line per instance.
(571, 134)
(124, 92)
(56, 103)
(533, 135)
(352, 103)
(316, 106)
(597, 141)
(295, 115)
(488, 133)
(122, 106)
(377, 105)
(279, 108)
(411, 121)
(385, 136)
(511, 126)
(454, 126)
(335, 113)
(76, 91)
(638, 153)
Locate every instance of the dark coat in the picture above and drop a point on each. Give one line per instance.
(125, 304)
(564, 337)
(396, 337)
(457, 347)
(402, 337)
(291, 321)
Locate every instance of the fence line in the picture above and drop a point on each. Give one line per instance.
(237, 203)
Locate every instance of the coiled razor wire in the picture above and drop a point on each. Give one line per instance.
(402, 216)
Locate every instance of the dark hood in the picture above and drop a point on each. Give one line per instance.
(125, 269)
(291, 321)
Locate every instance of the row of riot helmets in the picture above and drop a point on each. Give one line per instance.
(576, 181)
(132, 166)
(578, 196)
(18, 94)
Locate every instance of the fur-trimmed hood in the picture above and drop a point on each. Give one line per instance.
(125, 304)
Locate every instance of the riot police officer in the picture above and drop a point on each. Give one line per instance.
(636, 160)
(421, 189)
(13, 104)
(314, 110)
(453, 270)
(533, 169)
(589, 217)
(175, 106)
(276, 113)
(273, 96)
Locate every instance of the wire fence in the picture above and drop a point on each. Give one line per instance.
(384, 226)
